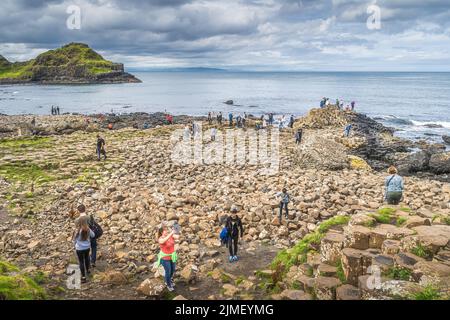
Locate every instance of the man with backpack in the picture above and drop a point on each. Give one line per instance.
(233, 226)
(98, 232)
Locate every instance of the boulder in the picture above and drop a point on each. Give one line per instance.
(390, 247)
(331, 246)
(348, 292)
(355, 263)
(152, 288)
(446, 139)
(440, 163)
(188, 274)
(357, 163)
(414, 162)
(295, 295)
(357, 237)
(317, 152)
(325, 287)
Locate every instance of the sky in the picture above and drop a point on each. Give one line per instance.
(258, 35)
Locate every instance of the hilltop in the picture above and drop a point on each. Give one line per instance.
(74, 63)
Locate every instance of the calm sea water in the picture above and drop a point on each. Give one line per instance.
(407, 101)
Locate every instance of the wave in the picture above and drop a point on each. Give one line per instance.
(431, 124)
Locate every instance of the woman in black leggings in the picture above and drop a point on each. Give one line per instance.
(234, 225)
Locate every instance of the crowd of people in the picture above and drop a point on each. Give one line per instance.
(325, 102)
(55, 111)
(88, 231)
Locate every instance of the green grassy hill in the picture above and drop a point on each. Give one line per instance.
(75, 62)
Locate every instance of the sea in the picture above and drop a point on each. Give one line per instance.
(416, 104)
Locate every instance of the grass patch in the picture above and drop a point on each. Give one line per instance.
(298, 254)
(25, 172)
(25, 142)
(399, 274)
(429, 292)
(17, 286)
(406, 209)
(340, 272)
(401, 221)
(421, 251)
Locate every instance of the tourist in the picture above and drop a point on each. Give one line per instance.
(234, 225)
(347, 130)
(82, 240)
(270, 119)
(393, 187)
(353, 105)
(53, 110)
(57, 111)
(169, 119)
(98, 232)
(230, 119)
(298, 136)
(284, 201)
(219, 118)
(167, 256)
(291, 121)
(264, 122)
(100, 147)
(213, 134)
(337, 103)
(187, 133)
(33, 122)
(244, 119)
(209, 118)
(322, 103)
(238, 121)
(110, 126)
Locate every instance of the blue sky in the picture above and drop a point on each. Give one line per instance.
(284, 35)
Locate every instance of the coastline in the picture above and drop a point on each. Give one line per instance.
(45, 177)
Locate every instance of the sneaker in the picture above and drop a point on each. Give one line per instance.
(83, 280)
(231, 259)
(235, 258)
(170, 288)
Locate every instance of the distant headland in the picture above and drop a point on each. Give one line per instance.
(74, 63)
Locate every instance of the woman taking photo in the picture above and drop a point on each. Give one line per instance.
(167, 256)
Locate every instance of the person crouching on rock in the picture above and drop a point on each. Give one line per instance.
(393, 186)
(234, 225)
(82, 240)
(100, 147)
(167, 256)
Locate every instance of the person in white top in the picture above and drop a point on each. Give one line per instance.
(213, 134)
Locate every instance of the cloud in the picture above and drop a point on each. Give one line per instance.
(259, 34)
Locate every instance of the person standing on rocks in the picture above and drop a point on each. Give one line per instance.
(100, 147)
(393, 187)
(209, 118)
(347, 130)
(219, 118)
(353, 105)
(98, 232)
(230, 119)
(82, 241)
(291, 121)
(234, 225)
(167, 256)
(298, 136)
(57, 111)
(284, 202)
(213, 134)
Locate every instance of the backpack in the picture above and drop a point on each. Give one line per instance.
(224, 235)
(95, 227)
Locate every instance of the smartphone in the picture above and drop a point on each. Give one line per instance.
(176, 228)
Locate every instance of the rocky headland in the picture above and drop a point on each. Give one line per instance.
(338, 224)
(74, 63)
